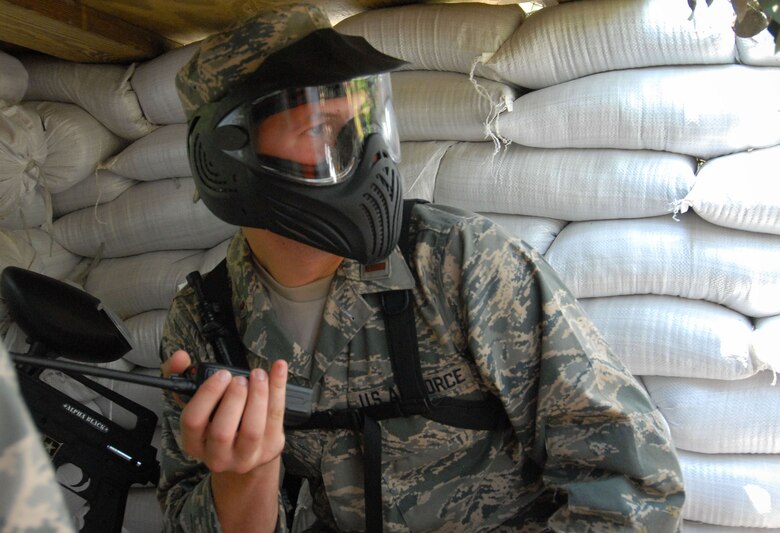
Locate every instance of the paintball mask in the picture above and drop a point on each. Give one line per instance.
(309, 153)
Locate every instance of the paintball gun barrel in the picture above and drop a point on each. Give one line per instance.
(297, 399)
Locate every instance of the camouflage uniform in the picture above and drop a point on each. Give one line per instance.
(585, 451)
(230, 57)
(30, 498)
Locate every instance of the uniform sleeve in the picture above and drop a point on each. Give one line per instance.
(30, 499)
(184, 490)
(598, 440)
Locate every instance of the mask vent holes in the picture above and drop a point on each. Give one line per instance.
(206, 170)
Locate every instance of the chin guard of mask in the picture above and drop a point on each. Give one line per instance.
(359, 218)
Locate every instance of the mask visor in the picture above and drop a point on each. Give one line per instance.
(316, 135)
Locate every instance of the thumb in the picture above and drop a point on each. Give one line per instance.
(177, 363)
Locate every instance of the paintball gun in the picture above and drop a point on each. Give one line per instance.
(62, 320)
(95, 459)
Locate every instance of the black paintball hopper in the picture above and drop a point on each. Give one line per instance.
(62, 319)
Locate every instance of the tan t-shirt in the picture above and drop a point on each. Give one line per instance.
(299, 309)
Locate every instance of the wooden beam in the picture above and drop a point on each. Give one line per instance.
(183, 21)
(69, 30)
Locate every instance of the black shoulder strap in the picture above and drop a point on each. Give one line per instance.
(217, 310)
(401, 332)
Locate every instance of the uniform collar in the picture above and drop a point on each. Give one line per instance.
(391, 274)
(345, 313)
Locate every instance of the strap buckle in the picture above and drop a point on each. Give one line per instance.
(395, 302)
(415, 406)
(345, 418)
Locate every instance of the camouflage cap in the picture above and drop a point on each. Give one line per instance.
(226, 58)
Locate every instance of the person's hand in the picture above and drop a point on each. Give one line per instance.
(233, 424)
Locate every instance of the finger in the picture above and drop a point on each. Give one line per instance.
(196, 415)
(276, 397)
(221, 433)
(249, 444)
(176, 363)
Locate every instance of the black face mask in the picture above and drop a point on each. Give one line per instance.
(358, 217)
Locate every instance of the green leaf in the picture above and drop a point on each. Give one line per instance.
(751, 22)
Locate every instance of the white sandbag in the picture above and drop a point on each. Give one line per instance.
(36, 250)
(739, 191)
(670, 336)
(765, 345)
(154, 83)
(690, 258)
(135, 284)
(698, 527)
(13, 79)
(16, 250)
(101, 187)
(731, 490)
(419, 167)
(715, 416)
(148, 217)
(214, 256)
(703, 111)
(142, 511)
(576, 39)
(568, 184)
(146, 330)
(103, 90)
(161, 154)
(14, 339)
(535, 231)
(149, 397)
(75, 143)
(448, 106)
(34, 213)
(758, 50)
(22, 154)
(50, 258)
(447, 37)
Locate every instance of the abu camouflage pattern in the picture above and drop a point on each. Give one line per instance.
(30, 498)
(226, 58)
(586, 449)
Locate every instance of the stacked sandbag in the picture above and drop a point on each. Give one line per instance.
(663, 145)
(448, 104)
(22, 148)
(102, 90)
(13, 79)
(47, 149)
(114, 192)
(22, 153)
